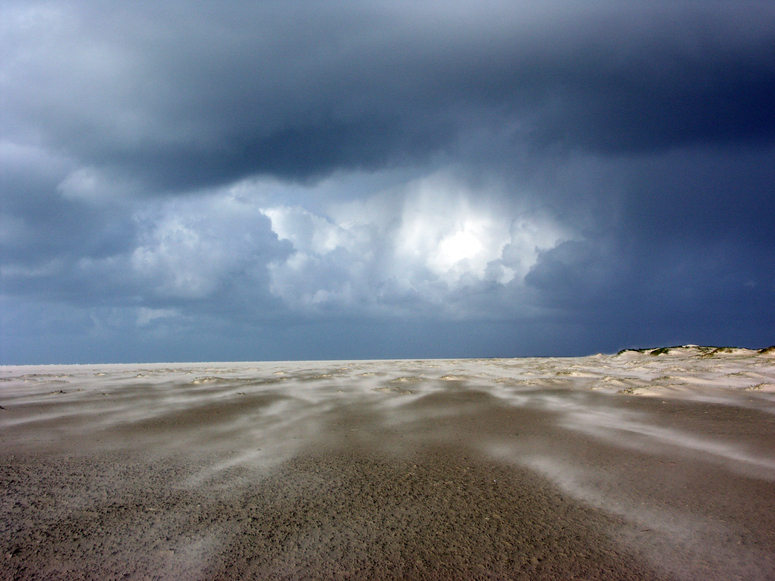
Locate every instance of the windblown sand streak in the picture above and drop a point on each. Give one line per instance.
(634, 466)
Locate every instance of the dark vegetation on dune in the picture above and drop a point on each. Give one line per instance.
(705, 350)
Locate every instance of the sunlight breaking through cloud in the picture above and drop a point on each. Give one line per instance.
(443, 236)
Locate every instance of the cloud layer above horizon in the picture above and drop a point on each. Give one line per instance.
(297, 180)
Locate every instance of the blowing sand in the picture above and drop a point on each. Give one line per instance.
(634, 466)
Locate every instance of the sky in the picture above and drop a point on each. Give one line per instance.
(300, 179)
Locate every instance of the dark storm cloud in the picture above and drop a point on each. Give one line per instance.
(40, 226)
(199, 94)
(705, 195)
(684, 77)
(553, 177)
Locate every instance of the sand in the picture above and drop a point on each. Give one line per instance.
(631, 466)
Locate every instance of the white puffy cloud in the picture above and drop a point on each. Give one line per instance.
(190, 248)
(378, 255)
(308, 232)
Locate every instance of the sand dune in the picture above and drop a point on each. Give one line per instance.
(641, 465)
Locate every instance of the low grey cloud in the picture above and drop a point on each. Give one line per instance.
(561, 178)
(191, 94)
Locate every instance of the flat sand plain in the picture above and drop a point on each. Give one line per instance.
(630, 466)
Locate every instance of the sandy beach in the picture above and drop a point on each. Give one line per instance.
(628, 466)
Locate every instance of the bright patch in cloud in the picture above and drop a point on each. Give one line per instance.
(462, 245)
(373, 253)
